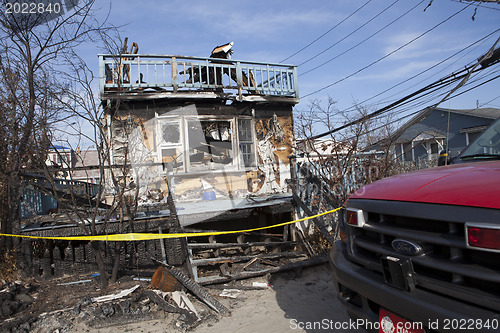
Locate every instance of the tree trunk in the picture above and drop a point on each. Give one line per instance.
(100, 263)
(116, 263)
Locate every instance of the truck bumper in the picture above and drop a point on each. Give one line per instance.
(364, 292)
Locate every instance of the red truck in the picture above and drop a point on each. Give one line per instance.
(420, 251)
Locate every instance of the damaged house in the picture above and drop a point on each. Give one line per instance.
(193, 144)
(213, 134)
(221, 130)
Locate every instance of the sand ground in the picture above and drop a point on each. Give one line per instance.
(305, 303)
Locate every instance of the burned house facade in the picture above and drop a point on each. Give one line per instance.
(192, 144)
(219, 131)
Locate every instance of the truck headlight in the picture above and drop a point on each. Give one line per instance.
(355, 217)
(483, 237)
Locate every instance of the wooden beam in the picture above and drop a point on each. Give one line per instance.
(221, 260)
(207, 246)
(245, 275)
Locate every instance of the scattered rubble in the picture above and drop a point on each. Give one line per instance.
(14, 297)
(20, 312)
(63, 305)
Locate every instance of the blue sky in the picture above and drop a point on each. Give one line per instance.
(271, 31)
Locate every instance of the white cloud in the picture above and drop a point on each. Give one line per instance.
(263, 25)
(398, 71)
(426, 46)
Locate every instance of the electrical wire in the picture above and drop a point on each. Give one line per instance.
(387, 55)
(481, 41)
(491, 100)
(323, 35)
(477, 5)
(413, 113)
(424, 71)
(348, 35)
(422, 92)
(431, 92)
(358, 44)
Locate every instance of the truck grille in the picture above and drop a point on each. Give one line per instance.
(447, 266)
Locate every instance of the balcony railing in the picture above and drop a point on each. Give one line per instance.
(137, 74)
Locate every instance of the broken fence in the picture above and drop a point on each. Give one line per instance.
(149, 236)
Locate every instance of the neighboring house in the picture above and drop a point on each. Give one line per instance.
(61, 157)
(72, 171)
(86, 168)
(79, 165)
(224, 129)
(432, 130)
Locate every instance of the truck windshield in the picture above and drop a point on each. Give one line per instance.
(487, 146)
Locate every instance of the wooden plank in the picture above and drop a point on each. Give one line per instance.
(221, 260)
(319, 221)
(196, 289)
(318, 260)
(206, 246)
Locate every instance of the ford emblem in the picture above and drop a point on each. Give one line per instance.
(406, 247)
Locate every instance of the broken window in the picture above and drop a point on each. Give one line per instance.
(247, 146)
(171, 150)
(174, 157)
(170, 132)
(210, 144)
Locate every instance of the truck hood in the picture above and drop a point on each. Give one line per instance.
(470, 184)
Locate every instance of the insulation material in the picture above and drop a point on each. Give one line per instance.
(147, 173)
(134, 144)
(192, 187)
(274, 145)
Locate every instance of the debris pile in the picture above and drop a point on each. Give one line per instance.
(14, 298)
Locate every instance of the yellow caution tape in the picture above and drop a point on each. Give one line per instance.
(143, 236)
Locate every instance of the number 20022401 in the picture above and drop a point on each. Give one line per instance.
(32, 8)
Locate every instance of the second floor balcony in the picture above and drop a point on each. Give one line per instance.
(133, 76)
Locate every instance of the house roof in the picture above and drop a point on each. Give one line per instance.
(58, 147)
(411, 130)
(86, 158)
(427, 135)
(490, 113)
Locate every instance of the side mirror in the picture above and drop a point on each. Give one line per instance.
(444, 157)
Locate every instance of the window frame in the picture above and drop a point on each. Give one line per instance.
(232, 166)
(162, 145)
(252, 141)
(237, 164)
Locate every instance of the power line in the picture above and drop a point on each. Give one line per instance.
(387, 55)
(348, 35)
(430, 92)
(426, 70)
(443, 82)
(478, 5)
(364, 40)
(323, 35)
(479, 63)
(465, 91)
(416, 112)
(491, 100)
